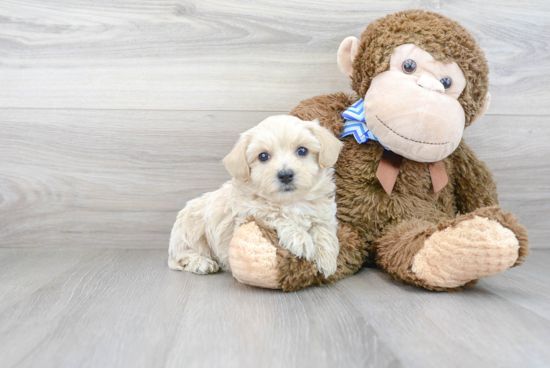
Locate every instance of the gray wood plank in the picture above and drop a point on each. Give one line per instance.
(478, 327)
(108, 178)
(219, 55)
(22, 274)
(120, 308)
(526, 285)
(113, 178)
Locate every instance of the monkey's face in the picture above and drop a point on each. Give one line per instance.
(413, 107)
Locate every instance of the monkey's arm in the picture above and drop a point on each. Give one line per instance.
(474, 184)
(257, 259)
(327, 108)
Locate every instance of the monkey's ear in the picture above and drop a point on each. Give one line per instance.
(330, 145)
(483, 108)
(235, 162)
(346, 53)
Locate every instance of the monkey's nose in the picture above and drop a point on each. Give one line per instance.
(430, 83)
(285, 176)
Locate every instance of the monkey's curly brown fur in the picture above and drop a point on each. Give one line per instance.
(443, 38)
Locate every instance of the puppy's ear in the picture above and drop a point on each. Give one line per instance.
(330, 145)
(235, 162)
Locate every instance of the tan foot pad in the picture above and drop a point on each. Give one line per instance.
(471, 250)
(253, 259)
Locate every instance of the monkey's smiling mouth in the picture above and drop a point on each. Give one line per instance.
(409, 139)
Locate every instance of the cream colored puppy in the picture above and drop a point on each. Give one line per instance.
(282, 175)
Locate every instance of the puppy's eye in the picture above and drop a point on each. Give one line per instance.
(409, 66)
(302, 151)
(264, 156)
(446, 82)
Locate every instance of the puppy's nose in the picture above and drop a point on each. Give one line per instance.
(285, 176)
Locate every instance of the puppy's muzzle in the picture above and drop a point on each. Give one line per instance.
(285, 176)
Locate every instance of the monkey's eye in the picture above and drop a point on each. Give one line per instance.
(302, 151)
(446, 82)
(409, 66)
(264, 156)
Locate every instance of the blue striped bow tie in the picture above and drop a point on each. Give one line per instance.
(355, 124)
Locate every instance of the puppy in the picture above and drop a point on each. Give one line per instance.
(282, 175)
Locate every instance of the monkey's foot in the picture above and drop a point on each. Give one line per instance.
(473, 246)
(253, 259)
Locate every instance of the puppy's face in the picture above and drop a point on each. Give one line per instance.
(282, 156)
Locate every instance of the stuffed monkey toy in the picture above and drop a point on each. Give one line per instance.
(413, 198)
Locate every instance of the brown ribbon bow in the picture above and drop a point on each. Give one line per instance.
(388, 169)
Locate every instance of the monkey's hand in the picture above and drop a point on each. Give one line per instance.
(256, 259)
(253, 257)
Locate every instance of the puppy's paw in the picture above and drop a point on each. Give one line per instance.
(326, 263)
(299, 243)
(326, 241)
(197, 264)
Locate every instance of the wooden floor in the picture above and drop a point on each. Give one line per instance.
(125, 308)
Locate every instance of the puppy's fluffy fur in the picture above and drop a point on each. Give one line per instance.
(302, 210)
